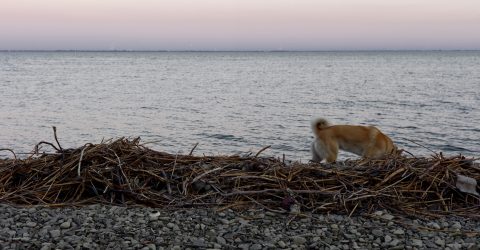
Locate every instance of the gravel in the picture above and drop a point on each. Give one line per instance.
(112, 227)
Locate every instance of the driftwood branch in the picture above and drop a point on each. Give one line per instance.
(123, 171)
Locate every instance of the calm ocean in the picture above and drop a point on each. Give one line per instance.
(240, 101)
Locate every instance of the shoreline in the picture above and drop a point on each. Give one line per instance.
(124, 172)
(233, 202)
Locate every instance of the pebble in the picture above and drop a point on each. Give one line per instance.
(255, 247)
(387, 217)
(388, 238)
(394, 242)
(55, 233)
(355, 245)
(378, 213)
(456, 225)
(224, 221)
(65, 225)
(221, 240)
(434, 225)
(399, 232)
(31, 224)
(377, 232)
(417, 242)
(440, 242)
(454, 246)
(298, 240)
(109, 227)
(153, 216)
(244, 246)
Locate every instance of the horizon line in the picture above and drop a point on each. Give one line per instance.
(332, 50)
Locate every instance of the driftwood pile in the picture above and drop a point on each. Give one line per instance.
(125, 172)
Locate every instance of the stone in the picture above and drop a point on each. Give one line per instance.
(399, 232)
(31, 224)
(355, 245)
(244, 246)
(417, 243)
(66, 224)
(388, 238)
(46, 247)
(394, 242)
(387, 217)
(440, 242)
(456, 225)
(55, 233)
(399, 247)
(151, 246)
(378, 213)
(224, 221)
(434, 225)
(154, 216)
(11, 233)
(298, 240)
(377, 232)
(454, 246)
(471, 246)
(200, 243)
(255, 247)
(221, 240)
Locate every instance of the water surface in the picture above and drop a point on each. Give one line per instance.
(239, 101)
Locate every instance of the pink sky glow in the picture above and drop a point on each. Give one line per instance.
(239, 24)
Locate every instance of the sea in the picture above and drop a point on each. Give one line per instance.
(226, 103)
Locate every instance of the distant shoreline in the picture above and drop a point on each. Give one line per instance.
(248, 51)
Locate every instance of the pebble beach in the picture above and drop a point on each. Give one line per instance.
(114, 227)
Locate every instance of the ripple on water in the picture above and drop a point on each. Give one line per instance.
(233, 102)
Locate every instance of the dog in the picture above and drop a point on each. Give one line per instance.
(366, 141)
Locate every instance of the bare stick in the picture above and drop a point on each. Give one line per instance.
(191, 151)
(261, 150)
(421, 146)
(80, 161)
(44, 142)
(206, 173)
(167, 181)
(56, 139)
(7, 149)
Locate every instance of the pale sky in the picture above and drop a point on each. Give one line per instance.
(239, 24)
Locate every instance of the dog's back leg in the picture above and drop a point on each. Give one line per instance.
(332, 151)
(315, 156)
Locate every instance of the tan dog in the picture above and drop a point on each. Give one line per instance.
(366, 141)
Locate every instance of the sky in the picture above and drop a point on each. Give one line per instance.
(239, 24)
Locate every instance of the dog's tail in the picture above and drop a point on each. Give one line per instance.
(319, 124)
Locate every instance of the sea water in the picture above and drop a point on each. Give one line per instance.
(239, 102)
